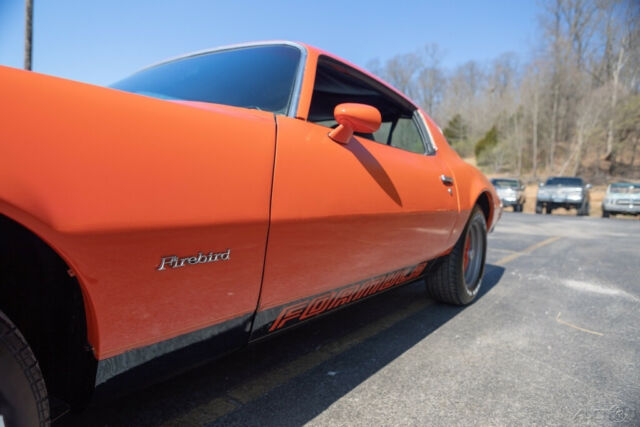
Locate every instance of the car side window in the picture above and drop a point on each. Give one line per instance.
(337, 83)
(382, 134)
(407, 136)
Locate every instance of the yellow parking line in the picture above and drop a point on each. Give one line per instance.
(528, 250)
(257, 387)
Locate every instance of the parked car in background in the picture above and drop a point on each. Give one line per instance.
(567, 192)
(621, 198)
(511, 192)
(211, 201)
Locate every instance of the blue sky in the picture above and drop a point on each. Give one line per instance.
(101, 41)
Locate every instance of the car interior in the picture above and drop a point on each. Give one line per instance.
(336, 83)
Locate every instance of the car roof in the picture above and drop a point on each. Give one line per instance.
(226, 47)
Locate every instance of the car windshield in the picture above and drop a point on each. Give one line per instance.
(505, 183)
(565, 181)
(624, 187)
(260, 77)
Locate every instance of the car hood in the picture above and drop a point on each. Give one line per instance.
(619, 196)
(507, 190)
(559, 189)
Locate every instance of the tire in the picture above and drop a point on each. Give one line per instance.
(549, 210)
(457, 277)
(519, 207)
(538, 207)
(23, 393)
(605, 214)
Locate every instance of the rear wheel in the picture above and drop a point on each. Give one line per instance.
(457, 277)
(549, 210)
(23, 394)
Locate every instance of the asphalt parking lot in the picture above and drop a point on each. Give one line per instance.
(553, 339)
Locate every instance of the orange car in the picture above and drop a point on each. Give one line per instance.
(210, 201)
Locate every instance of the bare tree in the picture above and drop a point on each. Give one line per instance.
(431, 79)
(619, 31)
(580, 19)
(588, 112)
(401, 70)
(431, 84)
(464, 96)
(579, 97)
(534, 139)
(614, 97)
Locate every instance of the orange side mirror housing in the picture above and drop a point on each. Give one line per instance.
(353, 117)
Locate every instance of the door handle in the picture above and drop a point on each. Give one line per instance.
(446, 180)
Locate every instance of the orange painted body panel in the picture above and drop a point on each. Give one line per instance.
(342, 213)
(470, 183)
(113, 182)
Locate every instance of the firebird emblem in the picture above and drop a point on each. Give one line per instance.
(175, 262)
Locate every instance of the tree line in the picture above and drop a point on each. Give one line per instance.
(571, 107)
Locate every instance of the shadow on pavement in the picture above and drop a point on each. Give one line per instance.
(272, 396)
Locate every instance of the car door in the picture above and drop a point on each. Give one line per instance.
(344, 213)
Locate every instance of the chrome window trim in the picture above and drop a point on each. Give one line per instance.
(297, 84)
(418, 126)
(432, 148)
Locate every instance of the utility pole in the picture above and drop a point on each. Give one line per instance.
(28, 34)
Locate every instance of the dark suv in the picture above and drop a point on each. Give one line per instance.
(563, 192)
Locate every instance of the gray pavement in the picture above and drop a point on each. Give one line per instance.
(554, 339)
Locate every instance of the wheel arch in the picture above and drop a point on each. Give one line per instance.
(40, 294)
(484, 200)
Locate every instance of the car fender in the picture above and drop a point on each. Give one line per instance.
(470, 184)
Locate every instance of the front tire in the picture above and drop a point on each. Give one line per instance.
(605, 213)
(23, 394)
(457, 277)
